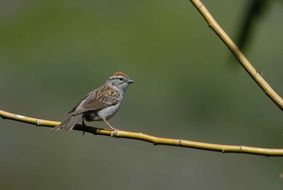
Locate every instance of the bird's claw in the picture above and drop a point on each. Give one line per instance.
(114, 133)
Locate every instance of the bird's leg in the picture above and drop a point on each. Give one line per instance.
(109, 125)
(83, 123)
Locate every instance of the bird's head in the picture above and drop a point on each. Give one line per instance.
(119, 80)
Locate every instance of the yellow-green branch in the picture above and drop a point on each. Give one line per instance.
(256, 76)
(180, 142)
(149, 138)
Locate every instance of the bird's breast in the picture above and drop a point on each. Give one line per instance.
(108, 112)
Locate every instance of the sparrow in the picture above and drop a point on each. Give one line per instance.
(100, 104)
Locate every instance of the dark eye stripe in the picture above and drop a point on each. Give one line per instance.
(119, 78)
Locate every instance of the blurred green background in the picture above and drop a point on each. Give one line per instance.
(53, 52)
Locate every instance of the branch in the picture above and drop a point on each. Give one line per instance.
(149, 138)
(256, 76)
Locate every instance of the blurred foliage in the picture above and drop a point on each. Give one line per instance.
(54, 52)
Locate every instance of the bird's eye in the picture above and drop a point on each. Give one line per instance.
(120, 79)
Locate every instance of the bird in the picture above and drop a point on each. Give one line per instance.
(100, 104)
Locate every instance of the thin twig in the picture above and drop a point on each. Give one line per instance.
(256, 76)
(149, 138)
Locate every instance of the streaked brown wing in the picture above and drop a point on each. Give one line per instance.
(103, 97)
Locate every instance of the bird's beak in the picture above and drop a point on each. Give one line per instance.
(130, 81)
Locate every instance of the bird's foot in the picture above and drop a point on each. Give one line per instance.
(114, 132)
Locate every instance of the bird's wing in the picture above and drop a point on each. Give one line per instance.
(101, 98)
(75, 107)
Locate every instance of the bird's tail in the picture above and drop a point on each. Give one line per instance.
(68, 124)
